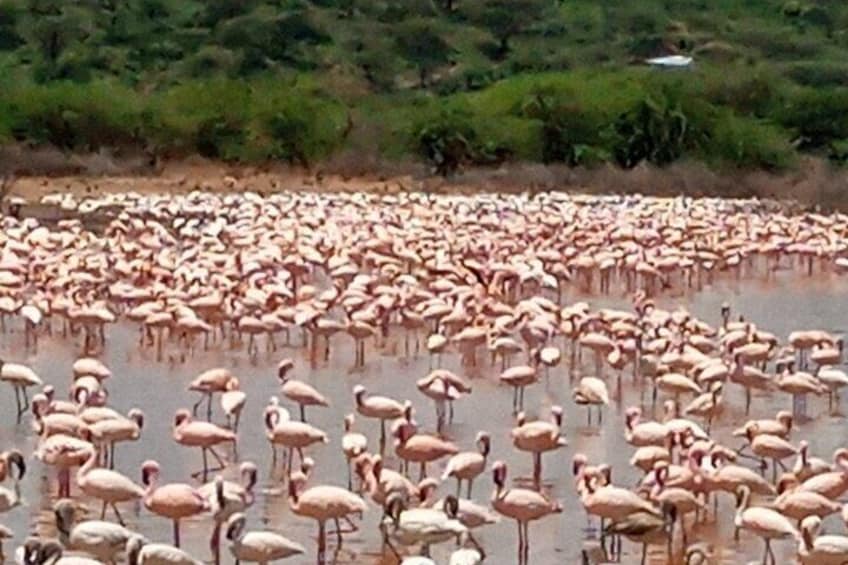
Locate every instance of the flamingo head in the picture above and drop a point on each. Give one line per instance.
(182, 416)
(359, 393)
(149, 472)
(556, 414)
(427, 487)
(235, 526)
(407, 411)
(394, 506)
(661, 472)
(14, 458)
(307, 465)
(39, 405)
(499, 474)
(64, 510)
(296, 482)
(606, 472)
(631, 416)
(348, 422)
(840, 458)
(578, 463)
(785, 418)
(249, 475)
(376, 465)
(49, 391)
(137, 416)
(521, 419)
(742, 492)
(484, 443)
(283, 369)
(451, 506)
(809, 531)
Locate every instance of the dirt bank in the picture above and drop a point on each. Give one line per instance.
(815, 182)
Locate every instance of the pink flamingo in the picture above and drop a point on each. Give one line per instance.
(174, 501)
(204, 435)
(522, 505)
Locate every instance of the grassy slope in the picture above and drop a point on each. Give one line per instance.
(286, 79)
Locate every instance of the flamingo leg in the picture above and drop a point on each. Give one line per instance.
(118, 514)
(215, 543)
(322, 543)
(176, 533)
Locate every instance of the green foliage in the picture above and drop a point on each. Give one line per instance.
(569, 134)
(817, 117)
(506, 18)
(655, 131)
(446, 140)
(750, 144)
(453, 81)
(419, 42)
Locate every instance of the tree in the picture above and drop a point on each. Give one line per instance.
(9, 15)
(419, 43)
(507, 18)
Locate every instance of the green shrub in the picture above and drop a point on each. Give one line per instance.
(749, 144)
(817, 117)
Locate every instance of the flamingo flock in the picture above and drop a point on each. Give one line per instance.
(496, 292)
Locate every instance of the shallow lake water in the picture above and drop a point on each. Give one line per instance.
(159, 389)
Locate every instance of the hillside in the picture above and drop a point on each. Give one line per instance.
(454, 82)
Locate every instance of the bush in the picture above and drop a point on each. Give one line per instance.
(819, 74)
(749, 144)
(817, 117)
(73, 117)
(446, 141)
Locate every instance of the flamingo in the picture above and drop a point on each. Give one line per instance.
(322, 503)
(539, 437)
(762, 522)
(204, 435)
(591, 391)
(422, 525)
(298, 391)
(21, 378)
(354, 444)
(258, 546)
(232, 403)
(103, 540)
(522, 505)
(814, 549)
(106, 485)
(175, 501)
(291, 435)
(225, 498)
(466, 466)
(207, 384)
(141, 552)
(379, 407)
(519, 378)
(420, 448)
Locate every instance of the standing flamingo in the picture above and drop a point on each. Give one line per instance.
(298, 391)
(204, 435)
(174, 501)
(323, 503)
(521, 505)
(378, 407)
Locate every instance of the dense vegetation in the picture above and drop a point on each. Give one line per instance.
(451, 81)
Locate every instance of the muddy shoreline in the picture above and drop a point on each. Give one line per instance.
(38, 172)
